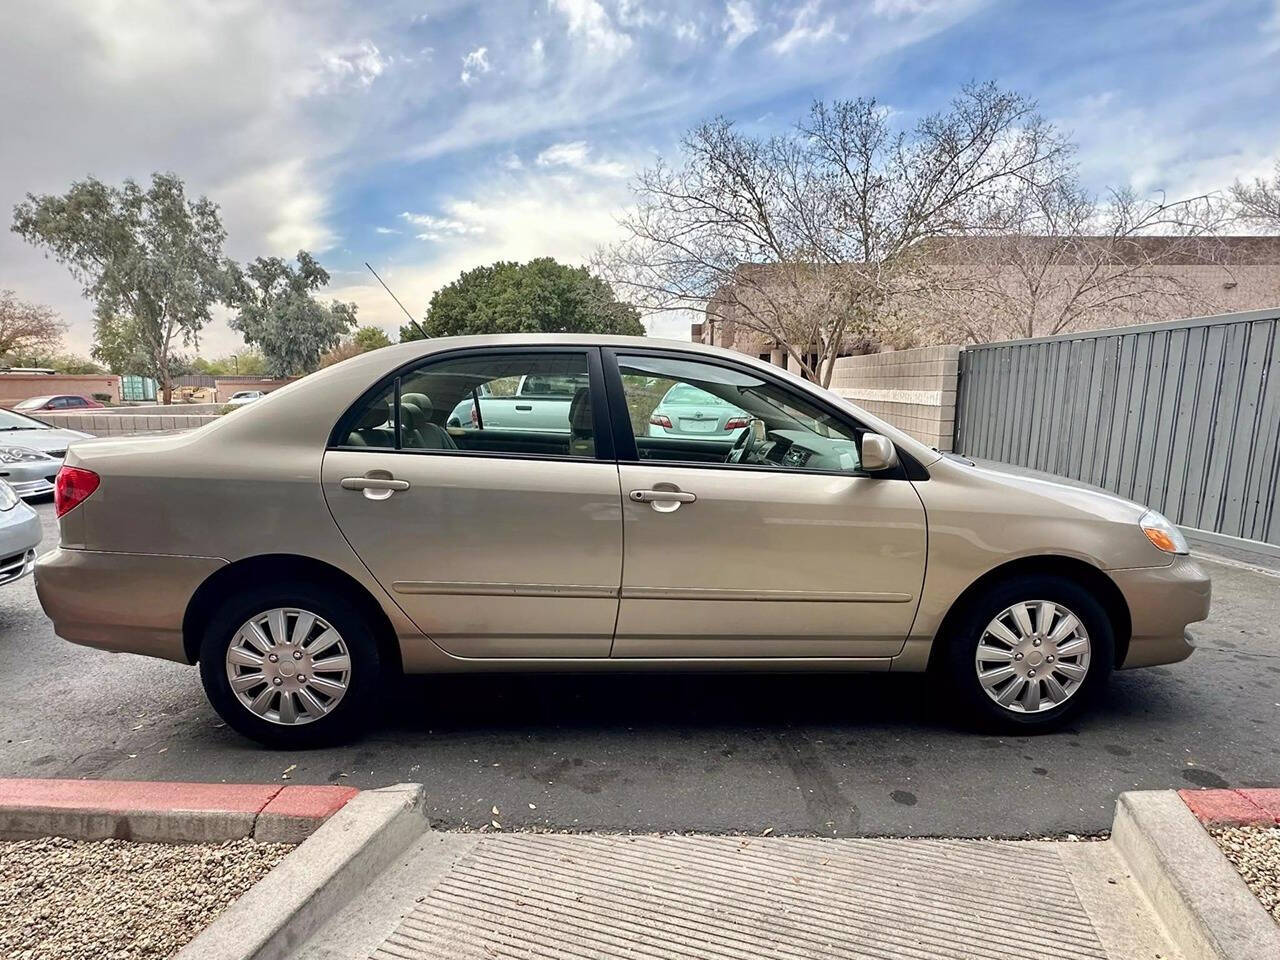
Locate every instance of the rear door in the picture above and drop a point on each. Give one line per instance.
(502, 549)
(792, 551)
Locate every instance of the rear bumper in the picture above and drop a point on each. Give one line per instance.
(1162, 602)
(123, 602)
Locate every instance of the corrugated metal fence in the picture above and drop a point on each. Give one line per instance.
(1183, 416)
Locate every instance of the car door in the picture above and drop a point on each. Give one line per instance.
(801, 555)
(506, 551)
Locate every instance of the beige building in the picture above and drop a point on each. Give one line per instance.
(1002, 288)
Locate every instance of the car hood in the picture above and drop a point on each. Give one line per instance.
(55, 438)
(1064, 493)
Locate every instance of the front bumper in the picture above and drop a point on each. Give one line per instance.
(1162, 601)
(32, 478)
(20, 533)
(123, 602)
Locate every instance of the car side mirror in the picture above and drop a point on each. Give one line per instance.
(878, 453)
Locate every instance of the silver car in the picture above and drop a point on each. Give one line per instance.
(689, 412)
(31, 452)
(20, 534)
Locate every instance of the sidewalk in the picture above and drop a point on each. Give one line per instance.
(555, 895)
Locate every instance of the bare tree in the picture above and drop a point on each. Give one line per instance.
(809, 240)
(1259, 202)
(1054, 258)
(27, 328)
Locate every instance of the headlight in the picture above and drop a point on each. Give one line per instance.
(8, 499)
(1162, 533)
(21, 455)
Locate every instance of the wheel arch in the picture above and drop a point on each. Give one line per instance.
(254, 570)
(1086, 574)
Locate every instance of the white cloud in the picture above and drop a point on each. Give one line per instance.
(576, 155)
(512, 161)
(437, 229)
(475, 64)
(359, 64)
(805, 29)
(385, 230)
(588, 20)
(686, 31)
(739, 22)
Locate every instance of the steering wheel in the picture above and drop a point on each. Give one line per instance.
(742, 447)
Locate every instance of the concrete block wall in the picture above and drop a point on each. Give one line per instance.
(124, 424)
(915, 390)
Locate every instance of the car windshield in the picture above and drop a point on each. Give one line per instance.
(32, 402)
(684, 393)
(17, 421)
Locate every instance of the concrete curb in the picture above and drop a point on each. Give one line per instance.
(311, 884)
(161, 812)
(1206, 909)
(1234, 808)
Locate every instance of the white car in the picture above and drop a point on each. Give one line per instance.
(31, 452)
(241, 397)
(20, 534)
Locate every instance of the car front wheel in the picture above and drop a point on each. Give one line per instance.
(290, 666)
(1031, 652)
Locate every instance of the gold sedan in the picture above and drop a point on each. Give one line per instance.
(339, 530)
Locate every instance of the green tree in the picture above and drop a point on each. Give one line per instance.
(150, 260)
(370, 338)
(541, 296)
(278, 313)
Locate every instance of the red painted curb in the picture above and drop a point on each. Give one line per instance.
(90, 809)
(1234, 808)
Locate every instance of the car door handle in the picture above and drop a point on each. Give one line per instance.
(375, 488)
(662, 501)
(524, 407)
(658, 496)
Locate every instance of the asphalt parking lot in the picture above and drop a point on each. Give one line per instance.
(870, 755)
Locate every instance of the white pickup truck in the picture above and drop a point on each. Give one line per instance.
(540, 403)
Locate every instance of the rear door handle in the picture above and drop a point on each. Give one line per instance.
(375, 488)
(524, 407)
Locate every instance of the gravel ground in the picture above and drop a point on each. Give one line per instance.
(1256, 853)
(117, 900)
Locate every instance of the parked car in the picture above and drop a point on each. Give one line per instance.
(241, 397)
(537, 403)
(689, 411)
(338, 531)
(31, 452)
(61, 401)
(20, 533)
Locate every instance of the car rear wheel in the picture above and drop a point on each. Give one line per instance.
(1029, 653)
(290, 666)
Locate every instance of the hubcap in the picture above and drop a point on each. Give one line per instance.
(288, 666)
(1033, 656)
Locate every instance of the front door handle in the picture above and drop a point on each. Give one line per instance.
(376, 487)
(663, 501)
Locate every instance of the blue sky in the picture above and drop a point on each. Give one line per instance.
(428, 137)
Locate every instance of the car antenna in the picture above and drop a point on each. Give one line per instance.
(425, 335)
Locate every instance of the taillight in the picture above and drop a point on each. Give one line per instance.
(73, 486)
(661, 420)
(737, 423)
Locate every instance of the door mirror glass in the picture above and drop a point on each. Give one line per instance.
(878, 453)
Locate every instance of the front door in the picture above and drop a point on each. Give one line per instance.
(498, 546)
(764, 541)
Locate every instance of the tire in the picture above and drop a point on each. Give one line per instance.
(323, 714)
(978, 697)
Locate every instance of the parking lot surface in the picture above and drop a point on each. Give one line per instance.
(832, 755)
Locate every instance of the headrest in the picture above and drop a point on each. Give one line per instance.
(580, 410)
(419, 400)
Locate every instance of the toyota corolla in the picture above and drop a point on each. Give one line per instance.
(339, 530)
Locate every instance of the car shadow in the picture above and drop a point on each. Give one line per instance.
(475, 703)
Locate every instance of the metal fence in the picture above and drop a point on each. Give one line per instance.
(1183, 416)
